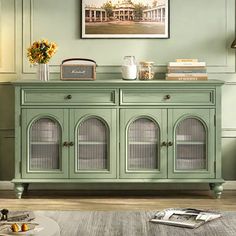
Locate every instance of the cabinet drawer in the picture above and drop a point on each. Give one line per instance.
(70, 96)
(171, 97)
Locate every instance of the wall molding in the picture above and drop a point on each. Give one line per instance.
(228, 133)
(3, 69)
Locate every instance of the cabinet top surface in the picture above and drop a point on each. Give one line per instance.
(117, 82)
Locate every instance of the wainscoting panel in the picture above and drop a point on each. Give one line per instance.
(7, 36)
(229, 158)
(7, 154)
(7, 106)
(228, 107)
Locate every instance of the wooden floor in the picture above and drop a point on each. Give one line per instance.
(116, 201)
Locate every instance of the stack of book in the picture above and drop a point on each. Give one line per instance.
(187, 69)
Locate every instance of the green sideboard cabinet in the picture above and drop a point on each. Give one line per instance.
(114, 131)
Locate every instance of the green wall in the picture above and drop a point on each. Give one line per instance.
(198, 29)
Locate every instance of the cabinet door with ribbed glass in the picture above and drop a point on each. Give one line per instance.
(43, 133)
(143, 150)
(93, 143)
(191, 136)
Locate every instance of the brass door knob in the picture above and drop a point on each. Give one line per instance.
(164, 144)
(65, 144)
(170, 144)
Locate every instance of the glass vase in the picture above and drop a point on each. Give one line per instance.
(43, 72)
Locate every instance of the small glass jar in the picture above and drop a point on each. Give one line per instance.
(146, 70)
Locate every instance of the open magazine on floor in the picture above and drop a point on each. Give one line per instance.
(185, 217)
(20, 216)
(16, 216)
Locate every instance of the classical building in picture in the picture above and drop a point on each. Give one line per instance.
(155, 14)
(95, 14)
(124, 11)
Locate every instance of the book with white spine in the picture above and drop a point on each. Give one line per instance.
(186, 75)
(187, 63)
(189, 69)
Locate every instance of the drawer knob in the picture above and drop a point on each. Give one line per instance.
(68, 96)
(167, 97)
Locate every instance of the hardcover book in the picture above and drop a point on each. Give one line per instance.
(186, 76)
(186, 64)
(187, 69)
(186, 60)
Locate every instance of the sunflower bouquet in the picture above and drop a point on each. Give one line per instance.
(41, 51)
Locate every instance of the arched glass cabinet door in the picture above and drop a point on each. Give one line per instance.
(95, 151)
(143, 136)
(44, 145)
(43, 134)
(92, 151)
(142, 132)
(191, 145)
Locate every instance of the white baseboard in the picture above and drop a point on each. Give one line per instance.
(230, 185)
(7, 185)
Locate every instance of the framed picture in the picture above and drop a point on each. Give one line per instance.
(125, 18)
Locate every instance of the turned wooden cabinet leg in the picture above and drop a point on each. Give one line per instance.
(19, 189)
(217, 188)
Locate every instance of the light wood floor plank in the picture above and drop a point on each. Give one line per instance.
(116, 201)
